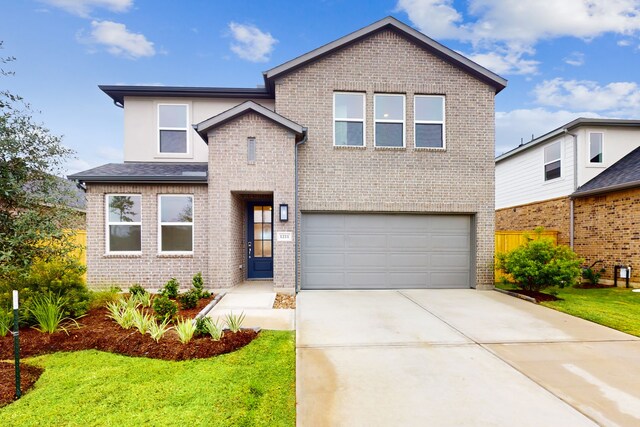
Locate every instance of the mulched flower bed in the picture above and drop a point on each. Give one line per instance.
(28, 377)
(192, 312)
(538, 296)
(285, 301)
(99, 332)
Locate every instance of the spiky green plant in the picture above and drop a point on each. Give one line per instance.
(214, 328)
(6, 319)
(122, 312)
(142, 298)
(157, 330)
(185, 328)
(141, 321)
(234, 322)
(48, 312)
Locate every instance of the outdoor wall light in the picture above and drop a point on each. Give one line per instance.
(284, 213)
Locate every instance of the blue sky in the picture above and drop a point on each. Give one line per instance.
(563, 59)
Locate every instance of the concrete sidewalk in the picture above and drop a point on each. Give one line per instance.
(458, 358)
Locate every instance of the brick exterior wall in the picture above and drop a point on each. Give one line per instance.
(149, 269)
(607, 228)
(553, 214)
(233, 181)
(457, 180)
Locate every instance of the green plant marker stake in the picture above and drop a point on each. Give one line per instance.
(16, 343)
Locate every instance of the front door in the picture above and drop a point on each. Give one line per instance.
(260, 241)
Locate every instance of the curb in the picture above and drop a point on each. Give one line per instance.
(517, 295)
(209, 306)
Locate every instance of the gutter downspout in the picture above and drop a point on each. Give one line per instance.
(575, 186)
(297, 245)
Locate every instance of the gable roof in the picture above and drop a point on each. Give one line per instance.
(145, 172)
(248, 106)
(625, 173)
(581, 121)
(393, 24)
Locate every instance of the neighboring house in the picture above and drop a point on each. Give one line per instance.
(583, 180)
(366, 163)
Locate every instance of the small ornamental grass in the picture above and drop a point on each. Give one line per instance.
(142, 321)
(142, 298)
(214, 329)
(6, 319)
(234, 322)
(48, 312)
(122, 312)
(157, 330)
(186, 329)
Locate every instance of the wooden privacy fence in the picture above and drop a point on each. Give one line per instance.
(509, 240)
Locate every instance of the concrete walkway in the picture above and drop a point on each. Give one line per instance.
(458, 358)
(255, 300)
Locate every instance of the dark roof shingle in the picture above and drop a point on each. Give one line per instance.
(145, 172)
(625, 173)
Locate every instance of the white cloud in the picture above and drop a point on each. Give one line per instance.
(575, 58)
(251, 43)
(619, 98)
(624, 42)
(516, 125)
(119, 40)
(494, 27)
(84, 7)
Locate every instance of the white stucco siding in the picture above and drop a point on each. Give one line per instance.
(520, 178)
(141, 126)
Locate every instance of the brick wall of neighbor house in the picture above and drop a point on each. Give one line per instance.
(607, 228)
(551, 214)
(232, 180)
(458, 180)
(148, 269)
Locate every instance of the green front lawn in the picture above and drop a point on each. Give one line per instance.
(252, 386)
(617, 308)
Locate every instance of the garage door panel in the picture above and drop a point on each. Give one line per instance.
(383, 251)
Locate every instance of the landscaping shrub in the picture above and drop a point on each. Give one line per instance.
(99, 299)
(6, 321)
(214, 329)
(143, 299)
(141, 321)
(164, 308)
(188, 299)
(198, 285)
(185, 329)
(201, 326)
(170, 289)
(234, 322)
(540, 263)
(61, 278)
(157, 330)
(48, 312)
(137, 290)
(592, 276)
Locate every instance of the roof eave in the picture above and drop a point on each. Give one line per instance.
(139, 179)
(603, 190)
(118, 92)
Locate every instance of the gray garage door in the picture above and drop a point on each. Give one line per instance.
(380, 251)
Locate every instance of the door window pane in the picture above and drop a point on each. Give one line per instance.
(266, 214)
(257, 214)
(266, 232)
(266, 248)
(257, 248)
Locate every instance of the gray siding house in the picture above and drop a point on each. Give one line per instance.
(367, 163)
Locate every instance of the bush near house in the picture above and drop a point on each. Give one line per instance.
(539, 264)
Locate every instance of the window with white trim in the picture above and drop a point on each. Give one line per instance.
(348, 119)
(552, 161)
(429, 121)
(175, 225)
(173, 135)
(389, 120)
(124, 223)
(596, 144)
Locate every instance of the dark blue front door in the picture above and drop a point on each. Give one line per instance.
(260, 240)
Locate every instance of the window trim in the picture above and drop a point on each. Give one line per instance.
(588, 150)
(544, 163)
(403, 121)
(363, 120)
(192, 223)
(416, 122)
(159, 128)
(108, 223)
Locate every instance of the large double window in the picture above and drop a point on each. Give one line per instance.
(552, 161)
(173, 135)
(389, 118)
(175, 233)
(124, 223)
(349, 122)
(429, 121)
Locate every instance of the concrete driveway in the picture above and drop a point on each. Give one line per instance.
(458, 358)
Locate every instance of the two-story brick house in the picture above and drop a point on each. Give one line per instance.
(366, 163)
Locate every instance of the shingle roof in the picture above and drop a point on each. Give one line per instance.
(625, 173)
(145, 172)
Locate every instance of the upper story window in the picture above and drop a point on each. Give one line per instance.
(124, 222)
(348, 119)
(175, 223)
(173, 132)
(552, 161)
(389, 120)
(429, 121)
(595, 147)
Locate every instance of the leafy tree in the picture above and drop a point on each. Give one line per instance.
(540, 263)
(34, 217)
